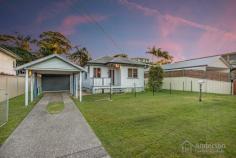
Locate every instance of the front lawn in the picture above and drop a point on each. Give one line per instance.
(156, 126)
(17, 112)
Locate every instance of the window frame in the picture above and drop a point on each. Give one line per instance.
(96, 73)
(133, 73)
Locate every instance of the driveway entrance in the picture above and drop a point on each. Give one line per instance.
(41, 134)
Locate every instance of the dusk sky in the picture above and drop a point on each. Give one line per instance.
(185, 28)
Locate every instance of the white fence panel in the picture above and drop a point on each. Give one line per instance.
(13, 85)
(4, 107)
(189, 83)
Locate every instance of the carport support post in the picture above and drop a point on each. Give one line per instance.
(80, 86)
(26, 87)
(32, 87)
(71, 84)
(76, 86)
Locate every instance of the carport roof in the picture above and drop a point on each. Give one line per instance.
(47, 58)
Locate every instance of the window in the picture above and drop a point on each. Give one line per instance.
(132, 73)
(135, 73)
(97, 72)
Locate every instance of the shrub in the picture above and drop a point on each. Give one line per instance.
(155, 78)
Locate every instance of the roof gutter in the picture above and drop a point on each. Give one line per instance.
(186, 67)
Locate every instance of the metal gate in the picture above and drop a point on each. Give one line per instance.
(4, 107)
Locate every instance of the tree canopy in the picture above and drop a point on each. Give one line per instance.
(81, 56)
(18, 40)
(163, 57)
(54, 42)
(30, 49)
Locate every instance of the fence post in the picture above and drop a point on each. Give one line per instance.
(183, 86)
(7, 107)
(17, 86)
(191, 86)
(6, 84)
(153, 86)
(134, 89)
(170, 87)
(110, 90)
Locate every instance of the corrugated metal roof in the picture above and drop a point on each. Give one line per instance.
(118, 60)
(205, 61)
(102, 60)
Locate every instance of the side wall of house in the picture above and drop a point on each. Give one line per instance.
(129, 82)
(6, 66)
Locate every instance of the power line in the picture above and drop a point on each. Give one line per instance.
(109, 37)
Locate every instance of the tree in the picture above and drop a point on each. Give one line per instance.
(18, 40)
(54, 42)
(163, 56)
(121, 55)
(81, 56)
(155, 77)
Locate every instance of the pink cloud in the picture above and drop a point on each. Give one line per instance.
(174, 48)
(54, 9)
(174, 21)
(69, 24)
(213, 39)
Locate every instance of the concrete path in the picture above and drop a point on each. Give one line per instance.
(66, 134)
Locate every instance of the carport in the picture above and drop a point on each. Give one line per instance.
(52, 74)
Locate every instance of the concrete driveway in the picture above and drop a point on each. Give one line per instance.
(66, 134)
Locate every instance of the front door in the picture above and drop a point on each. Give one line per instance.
(112, 76)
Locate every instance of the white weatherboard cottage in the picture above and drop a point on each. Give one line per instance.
(118, 73)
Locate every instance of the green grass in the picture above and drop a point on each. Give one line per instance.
(55, 107)
(155, 126)
(17, 112)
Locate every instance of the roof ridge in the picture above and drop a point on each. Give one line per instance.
(197, 58)
(206, 57)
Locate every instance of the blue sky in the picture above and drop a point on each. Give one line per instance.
(185, 28)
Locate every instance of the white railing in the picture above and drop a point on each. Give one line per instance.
(101, 81)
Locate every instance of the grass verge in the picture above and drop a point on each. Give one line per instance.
(17, 112)
(55, 107)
